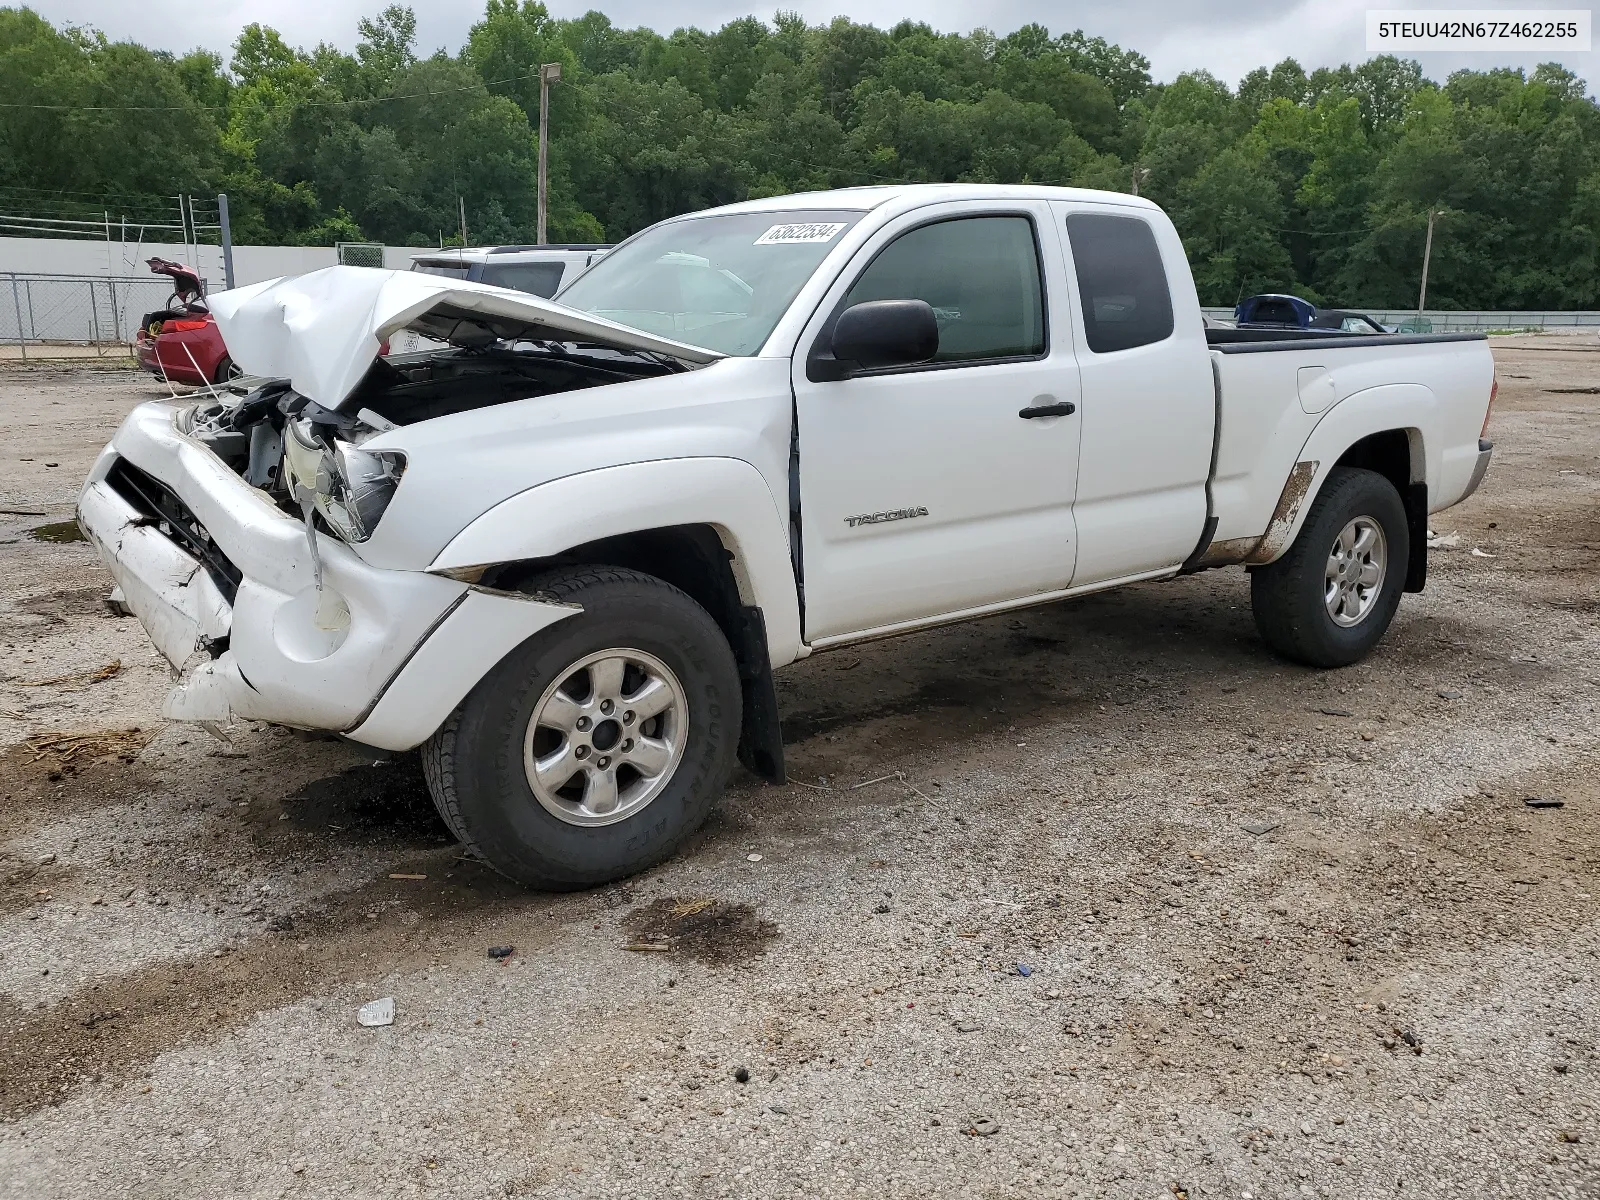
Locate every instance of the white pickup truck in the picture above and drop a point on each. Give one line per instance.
(564, 554)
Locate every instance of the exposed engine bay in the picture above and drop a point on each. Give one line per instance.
(310, 459)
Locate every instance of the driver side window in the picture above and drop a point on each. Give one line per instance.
(981, 277)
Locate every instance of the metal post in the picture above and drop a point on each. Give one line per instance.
(227, 240)
(94, 317)
(1427, 254)
(548, 73)
(461, 201)
(16, 300)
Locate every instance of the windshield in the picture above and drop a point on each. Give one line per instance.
(719, 282)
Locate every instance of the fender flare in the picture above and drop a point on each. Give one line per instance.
(1409, 407)
(727, 494)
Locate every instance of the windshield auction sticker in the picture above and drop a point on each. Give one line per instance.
(815, 231)
(1413, 30)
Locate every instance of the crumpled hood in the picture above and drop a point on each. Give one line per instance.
(322, 330)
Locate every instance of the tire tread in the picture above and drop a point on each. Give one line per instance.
(440, 752)
(1286, 622)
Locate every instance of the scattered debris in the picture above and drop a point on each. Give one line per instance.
(966, 1025)
(879, 779)
(76, 678)
(1544, 802)
(688, 908)
(1569, 1136)
(377, 1012)
(76, 747)
(646, 945)
(405, 875)
(117, 604)
(1336, 712)
(22, 512)
(1410, 1038)
(1449, 694)
(1024, 970)
(1444, 541)
(741, 1075)
(497, 951)
(752, 858)
(1477, 553)
(979, 1125)
(1259, 828)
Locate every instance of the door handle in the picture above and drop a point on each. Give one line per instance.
(1065, 409)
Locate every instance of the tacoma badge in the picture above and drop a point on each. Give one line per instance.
(878, 518)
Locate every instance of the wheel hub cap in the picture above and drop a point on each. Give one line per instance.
(1357, 565)
(606, 737)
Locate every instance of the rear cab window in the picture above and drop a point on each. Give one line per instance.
(1122, 284)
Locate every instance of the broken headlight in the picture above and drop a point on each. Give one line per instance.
(350, 487)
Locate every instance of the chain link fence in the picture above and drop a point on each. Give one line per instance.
(40, 313)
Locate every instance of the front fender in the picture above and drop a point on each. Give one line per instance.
(727, 494)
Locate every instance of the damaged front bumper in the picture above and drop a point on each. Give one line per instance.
(225, 584)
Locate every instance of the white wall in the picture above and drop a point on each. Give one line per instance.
(102, 289)
(251, 264)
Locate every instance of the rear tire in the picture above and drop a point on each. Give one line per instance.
(563, 700)
(227, 370)
(1329, 600)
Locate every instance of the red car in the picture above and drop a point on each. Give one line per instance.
(181, 342)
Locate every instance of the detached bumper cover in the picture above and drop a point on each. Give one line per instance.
(224, 583)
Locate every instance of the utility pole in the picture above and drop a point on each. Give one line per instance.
(227, 240)
(1427, 254)
(1140, 174)
(548, 73)
(461, 201)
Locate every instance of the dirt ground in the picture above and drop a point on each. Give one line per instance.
(1094, 900)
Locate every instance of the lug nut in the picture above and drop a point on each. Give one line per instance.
(627, 717)
(581, 752)
(606, 706)
(583, 724)
(627, 745)
(602, 762)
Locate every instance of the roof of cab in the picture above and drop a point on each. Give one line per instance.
(911, 195)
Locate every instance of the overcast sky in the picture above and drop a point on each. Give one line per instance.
(1226, 37)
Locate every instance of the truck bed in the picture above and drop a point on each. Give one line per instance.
(1265, 341)
(1286, 399)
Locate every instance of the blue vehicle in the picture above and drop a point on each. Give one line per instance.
(1291, 312)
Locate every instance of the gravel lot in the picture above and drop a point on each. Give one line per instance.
(1093, 900)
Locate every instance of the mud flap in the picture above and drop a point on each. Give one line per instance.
(1416, 501)
(760, 734)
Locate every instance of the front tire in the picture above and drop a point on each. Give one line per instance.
(594, 749)
(1329, 600)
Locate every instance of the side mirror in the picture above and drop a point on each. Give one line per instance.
(880, 333)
